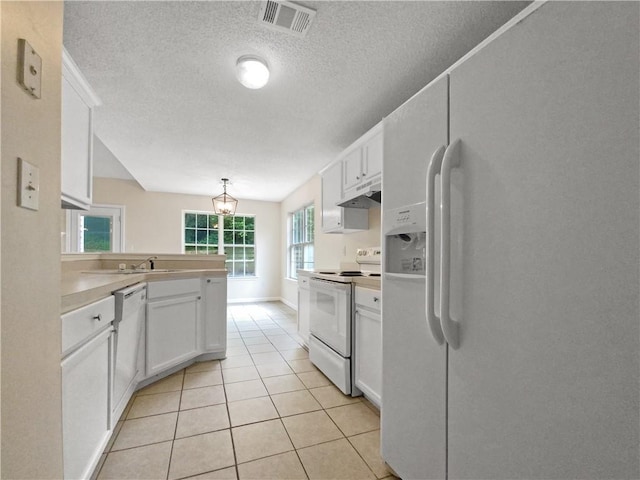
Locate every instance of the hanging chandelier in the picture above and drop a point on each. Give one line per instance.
(224, 204)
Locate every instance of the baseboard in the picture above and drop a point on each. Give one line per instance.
(289, 304)
(253, 300)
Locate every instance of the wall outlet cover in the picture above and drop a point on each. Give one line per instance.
(29, 68)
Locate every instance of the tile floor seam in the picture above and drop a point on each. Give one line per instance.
(175, 430)
(286, 341)
(233, 445)
(141, 445)
(360, 455)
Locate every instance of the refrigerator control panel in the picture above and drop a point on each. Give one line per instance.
(411, 218)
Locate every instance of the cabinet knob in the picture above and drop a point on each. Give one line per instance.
(199, 298)
(357, 178)
(375, 299)
(97, 317)
(363, 174)
(208, 280)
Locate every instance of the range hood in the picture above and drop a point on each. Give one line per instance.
(367, 195)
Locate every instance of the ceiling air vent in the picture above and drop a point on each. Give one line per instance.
(286, 17)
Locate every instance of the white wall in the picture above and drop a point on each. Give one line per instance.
(153, 224)
(329, 249)
(31, 419)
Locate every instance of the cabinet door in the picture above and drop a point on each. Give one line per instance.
(545, 382)
(215, 314)
(85, 405)
(77, 146)
(368, 371)
(172, 328)
(352, 168)
(331, 195)
(373, 151)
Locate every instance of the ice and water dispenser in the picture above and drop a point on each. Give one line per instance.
(405, 238)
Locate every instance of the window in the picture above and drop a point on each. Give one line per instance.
(201, 233)
(209, 234)
(301, 223)
(96, 230)
(239, 245)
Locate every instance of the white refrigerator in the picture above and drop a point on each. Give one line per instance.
(519, 357)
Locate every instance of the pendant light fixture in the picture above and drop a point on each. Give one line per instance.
(224, 204)
(252, 71)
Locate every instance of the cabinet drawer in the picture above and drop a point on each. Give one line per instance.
(81, 324)
(170, 288)
(368, 298)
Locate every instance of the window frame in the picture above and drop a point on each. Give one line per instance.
(73, 241)
(292, 273)
(221, 245)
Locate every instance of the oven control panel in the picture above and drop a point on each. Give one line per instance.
(369, 255)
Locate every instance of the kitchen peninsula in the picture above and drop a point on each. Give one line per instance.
(125, 326)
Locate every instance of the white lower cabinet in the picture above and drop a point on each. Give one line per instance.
(87, 344)
(215, 314)
(304, 307)
(173, 323)
(368, 344)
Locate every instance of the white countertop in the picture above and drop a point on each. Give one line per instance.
(83, 288)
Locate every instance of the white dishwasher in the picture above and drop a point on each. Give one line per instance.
(130, 318)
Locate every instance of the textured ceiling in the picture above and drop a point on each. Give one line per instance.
(175, 116)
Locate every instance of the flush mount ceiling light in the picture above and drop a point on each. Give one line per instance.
(224, 204)
(252, 72)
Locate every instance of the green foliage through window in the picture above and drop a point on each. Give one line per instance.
(96, 235)
(233, 236)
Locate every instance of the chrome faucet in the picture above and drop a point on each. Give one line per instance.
(149, 259)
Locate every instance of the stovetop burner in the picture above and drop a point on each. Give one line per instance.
(350, 273)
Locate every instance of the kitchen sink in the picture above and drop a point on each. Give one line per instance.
(128, 271)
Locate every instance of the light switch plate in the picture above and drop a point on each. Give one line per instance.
(29, 68)
(28, 185)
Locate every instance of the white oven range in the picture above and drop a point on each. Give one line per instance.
(331, 339)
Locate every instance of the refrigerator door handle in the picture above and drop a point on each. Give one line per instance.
(433, 169)
(450, 328)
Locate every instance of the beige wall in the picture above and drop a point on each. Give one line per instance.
(153, 224)
(330, 249)
(30, 254)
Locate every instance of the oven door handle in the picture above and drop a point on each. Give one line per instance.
(328, 285)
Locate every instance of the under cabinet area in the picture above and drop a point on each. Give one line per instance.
(368, 343)
(337, 219)
(87, 354)
(78, 101)
(173, 314)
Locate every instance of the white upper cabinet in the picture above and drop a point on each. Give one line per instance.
(362, 161)
(352, 168)
(337, 219)
(78, 101)
(373, 153)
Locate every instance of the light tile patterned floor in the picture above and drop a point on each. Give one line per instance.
(264, 412)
